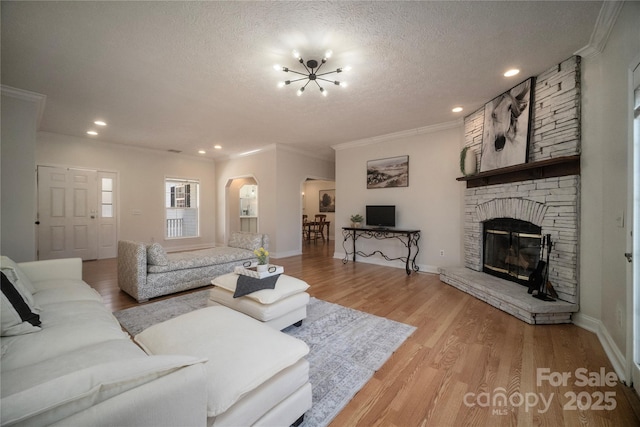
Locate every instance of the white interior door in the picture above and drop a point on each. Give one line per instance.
(67, 213)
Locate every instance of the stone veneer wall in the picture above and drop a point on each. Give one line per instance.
(551, 203)
(556, 117)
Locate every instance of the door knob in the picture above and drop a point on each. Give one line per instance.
(628, 256)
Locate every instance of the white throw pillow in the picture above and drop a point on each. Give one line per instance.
(285, 287)
(12, 323)
(18, 315)
(16, 272)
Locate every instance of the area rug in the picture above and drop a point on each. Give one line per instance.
(346, 346)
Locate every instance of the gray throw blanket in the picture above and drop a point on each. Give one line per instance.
(246, 284)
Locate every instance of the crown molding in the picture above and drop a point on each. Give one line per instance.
(397, 135)
(282, 147)
(110, 144)
(604, 24)
(260, 150)
(306, 153)
(25, 95)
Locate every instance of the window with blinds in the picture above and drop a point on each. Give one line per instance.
(182, 208)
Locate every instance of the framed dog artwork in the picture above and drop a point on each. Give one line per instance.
(507, 120)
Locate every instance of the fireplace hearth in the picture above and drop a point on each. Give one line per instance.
(511, 248)
(509, 221)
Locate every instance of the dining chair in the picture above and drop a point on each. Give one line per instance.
(317, 229)
(305, 229)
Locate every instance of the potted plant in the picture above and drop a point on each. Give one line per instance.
(356, 220)
(262, 254)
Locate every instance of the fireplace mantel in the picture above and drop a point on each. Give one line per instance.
(559, 166)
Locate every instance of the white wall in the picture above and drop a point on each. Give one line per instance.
(260, 166)
(293, 169)
(18, 178)
(431, 203)
(606, 136)
(312, 202)
(141, 184)
(280, 173)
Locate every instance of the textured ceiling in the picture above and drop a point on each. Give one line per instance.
(189, 75)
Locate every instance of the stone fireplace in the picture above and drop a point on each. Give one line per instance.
(550, 205)
(508, 210)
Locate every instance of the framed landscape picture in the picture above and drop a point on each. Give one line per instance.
(327, 200)
(389, 172)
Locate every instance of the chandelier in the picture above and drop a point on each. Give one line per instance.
(311, 74)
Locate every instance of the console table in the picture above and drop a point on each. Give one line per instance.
(409, 238)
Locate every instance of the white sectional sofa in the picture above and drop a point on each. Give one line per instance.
(79, 368)
(255, 375)
(67, 362)
(147, 271)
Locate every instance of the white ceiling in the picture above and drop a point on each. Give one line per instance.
(189, 75)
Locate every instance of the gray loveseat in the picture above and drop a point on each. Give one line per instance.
(147, 271)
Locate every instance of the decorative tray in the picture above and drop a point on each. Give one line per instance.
(252, 271)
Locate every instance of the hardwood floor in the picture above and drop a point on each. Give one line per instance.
(462, 358)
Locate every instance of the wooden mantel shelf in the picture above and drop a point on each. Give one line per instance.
(560, 166)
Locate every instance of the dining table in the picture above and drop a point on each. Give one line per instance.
(310, 224)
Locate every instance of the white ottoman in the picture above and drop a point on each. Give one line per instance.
(256, 376)
(280, 307)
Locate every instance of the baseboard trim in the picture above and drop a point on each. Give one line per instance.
(423, 268)
(284, 254)
(589, 323)
(617, 359)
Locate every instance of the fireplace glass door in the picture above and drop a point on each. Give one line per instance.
(511, 249)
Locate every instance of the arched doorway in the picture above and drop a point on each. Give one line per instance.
(242, 205)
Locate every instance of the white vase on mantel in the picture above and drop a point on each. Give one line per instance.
(470, 162)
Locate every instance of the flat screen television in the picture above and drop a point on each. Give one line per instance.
(381, 216)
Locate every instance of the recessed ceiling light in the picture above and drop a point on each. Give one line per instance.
(202, 152)
(218, 147)
(92, 132)
(457, 109)
(512, 72)
(100, 123)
